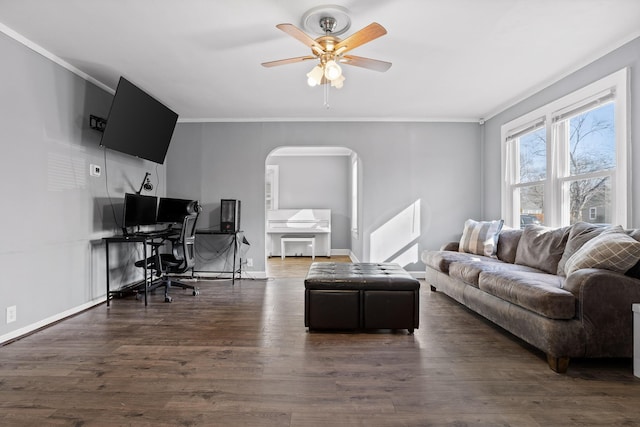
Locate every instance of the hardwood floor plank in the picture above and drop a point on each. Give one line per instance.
(279, 268)
(240, 355)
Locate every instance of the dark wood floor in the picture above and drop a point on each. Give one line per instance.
(240, 355)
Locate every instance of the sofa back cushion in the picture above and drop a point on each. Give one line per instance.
(542, 247)
(508, 244)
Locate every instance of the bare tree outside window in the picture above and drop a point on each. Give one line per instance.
(592, 149)
(533, 169)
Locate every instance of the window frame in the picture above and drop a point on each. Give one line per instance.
(555, 212)
(355, 182)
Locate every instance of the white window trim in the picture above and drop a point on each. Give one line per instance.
(618, 82)
(273, 177)
(355, 182)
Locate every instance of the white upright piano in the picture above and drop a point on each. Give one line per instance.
(302, 222)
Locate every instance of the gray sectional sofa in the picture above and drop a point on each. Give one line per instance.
(567, 291)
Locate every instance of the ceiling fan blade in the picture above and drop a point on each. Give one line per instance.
(297, 33)
(287, 61)
(371, 64)
(365, 35)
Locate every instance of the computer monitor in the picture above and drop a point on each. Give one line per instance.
(139, 210)
(174, 210)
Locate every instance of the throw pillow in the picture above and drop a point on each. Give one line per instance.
(480, 237)
(542, 247)
(581, 233)
(612, 250)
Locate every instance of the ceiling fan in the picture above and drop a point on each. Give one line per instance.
(330, 50)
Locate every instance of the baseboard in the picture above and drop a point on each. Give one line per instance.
(341, 252)
(417, 274)
(246, 274)
(26, 330)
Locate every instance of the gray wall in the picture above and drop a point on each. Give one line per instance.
(434, 164)
(318, 182)
(626, 56)
(53, 213)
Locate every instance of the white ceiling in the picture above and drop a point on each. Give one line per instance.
(452, 59)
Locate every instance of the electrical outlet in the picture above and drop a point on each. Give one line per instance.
(249, 262)
(95, 170)
(11, 314)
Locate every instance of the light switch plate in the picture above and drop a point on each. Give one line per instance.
(95, 170)
(11, 314)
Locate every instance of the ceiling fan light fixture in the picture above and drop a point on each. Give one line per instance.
(314, 77)
(338, 83)
(332, 70)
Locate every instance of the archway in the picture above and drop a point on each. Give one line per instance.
(311, 178)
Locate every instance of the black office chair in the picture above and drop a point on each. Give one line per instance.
(180, 260)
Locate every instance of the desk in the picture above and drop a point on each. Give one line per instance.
(236, 256)
(134, 238)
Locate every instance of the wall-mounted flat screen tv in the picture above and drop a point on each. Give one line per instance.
(138, 124)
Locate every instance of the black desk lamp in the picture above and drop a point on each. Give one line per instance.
(146, 183)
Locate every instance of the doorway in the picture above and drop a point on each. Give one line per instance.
(309, 178)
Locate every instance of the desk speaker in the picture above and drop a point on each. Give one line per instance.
(230, 215)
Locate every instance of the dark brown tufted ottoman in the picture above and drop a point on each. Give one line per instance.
(360, 296)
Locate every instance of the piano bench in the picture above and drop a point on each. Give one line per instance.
(290, 238)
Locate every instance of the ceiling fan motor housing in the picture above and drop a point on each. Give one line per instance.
(327, 19)
(328, 24)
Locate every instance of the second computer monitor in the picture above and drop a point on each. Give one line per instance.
(174, 210)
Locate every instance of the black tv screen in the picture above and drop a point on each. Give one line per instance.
(139, 210)
(138, 124)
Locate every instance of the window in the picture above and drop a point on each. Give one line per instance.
(354, 195)
(567, 161)
(271, 187)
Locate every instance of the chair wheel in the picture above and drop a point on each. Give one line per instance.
(167, 298)
(196, 292)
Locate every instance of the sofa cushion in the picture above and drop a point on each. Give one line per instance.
(539, 292)
(469, 270)
(508, 244)
(580, 233)
(480, 237)
(441, 260)
(612, 250)
(542, 247)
